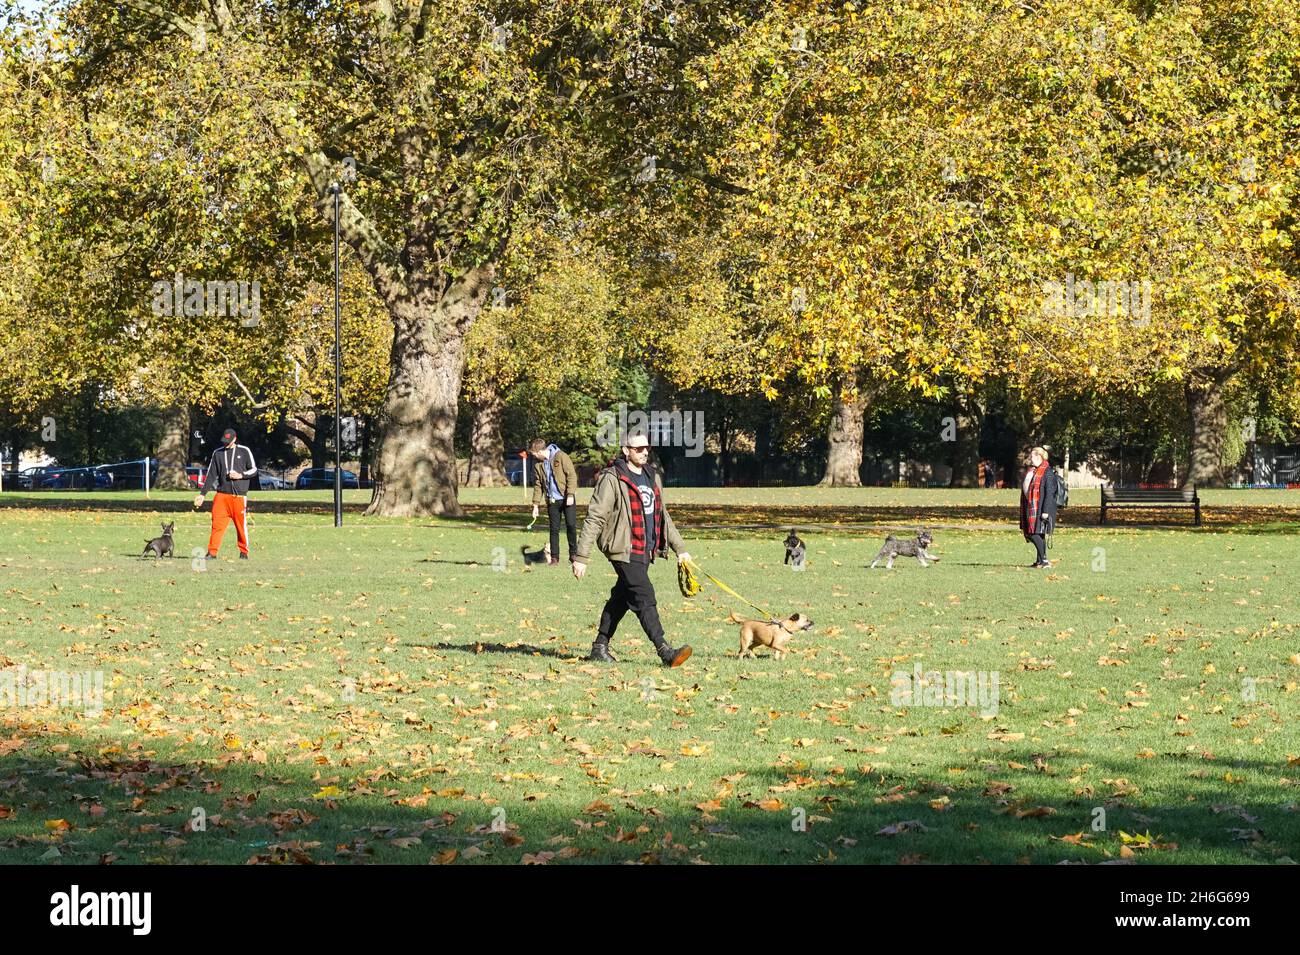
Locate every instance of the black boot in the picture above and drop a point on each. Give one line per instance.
(600, 653)
(674, 658)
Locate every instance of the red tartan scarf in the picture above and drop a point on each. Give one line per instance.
(1034, 498)
(638, 509)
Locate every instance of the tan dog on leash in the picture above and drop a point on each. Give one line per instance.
(774, 635)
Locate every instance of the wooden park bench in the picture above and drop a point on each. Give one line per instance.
(1112, 497)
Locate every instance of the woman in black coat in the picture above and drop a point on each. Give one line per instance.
(1038, 504)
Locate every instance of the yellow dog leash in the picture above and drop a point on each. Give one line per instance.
(690, 585)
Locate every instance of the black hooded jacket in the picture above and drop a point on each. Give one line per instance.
(224, 460)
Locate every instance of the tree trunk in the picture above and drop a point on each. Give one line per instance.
(415, 462)
(1208, 420)
(844, 453)
(322, 441)
(90, 430)
(965, 458)
(365, 449)
(174, 450)
(486, 447)
(762, 448)
(724, 470)
(763, 438)
(311, 432)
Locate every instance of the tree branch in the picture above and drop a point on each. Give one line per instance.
(191, 28)
(714, 182)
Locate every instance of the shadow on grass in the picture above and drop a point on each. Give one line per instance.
(526, 649)
(781, 518)
(748, 519)
(92, 803)
(873, 518)
(1274, 528)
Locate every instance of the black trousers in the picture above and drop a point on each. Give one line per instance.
(1040, 545)
(570, 511)
(632, 592)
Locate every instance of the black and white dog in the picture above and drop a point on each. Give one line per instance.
(906, 547)
(542, 556)
(795, 551)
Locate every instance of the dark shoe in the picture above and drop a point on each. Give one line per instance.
(600, 653)
(213, 557)
(553, 561)
(674, 658)
(243, 556)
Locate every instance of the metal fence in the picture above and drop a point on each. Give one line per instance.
(134, 476)
(120, 475)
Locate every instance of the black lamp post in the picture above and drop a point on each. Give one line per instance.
(338, 371)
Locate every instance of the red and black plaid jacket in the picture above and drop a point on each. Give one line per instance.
(638, 511)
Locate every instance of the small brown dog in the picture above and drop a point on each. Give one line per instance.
(774, 635)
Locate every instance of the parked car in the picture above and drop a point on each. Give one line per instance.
(28, 478)
(323, 479)
(83, 479)
(262, 482)
(130, 474)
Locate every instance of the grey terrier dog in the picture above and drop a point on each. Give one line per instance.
(906, 547)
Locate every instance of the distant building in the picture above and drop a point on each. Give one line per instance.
(1273, 464)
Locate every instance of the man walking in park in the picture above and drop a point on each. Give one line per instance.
(557, 479)
(627, 520)
(229, 473)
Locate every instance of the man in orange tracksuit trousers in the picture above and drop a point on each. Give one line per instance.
(229, 473)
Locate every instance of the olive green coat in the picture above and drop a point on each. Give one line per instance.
(609, 520)
(566, 477)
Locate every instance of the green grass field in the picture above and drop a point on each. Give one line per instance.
(384, 693)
